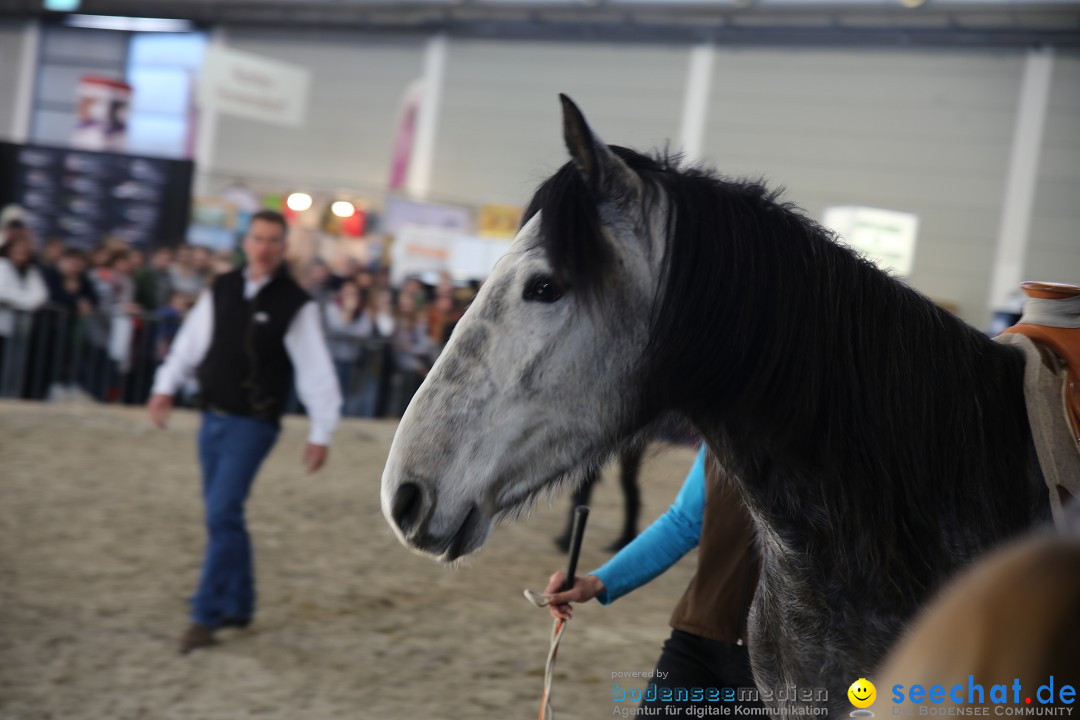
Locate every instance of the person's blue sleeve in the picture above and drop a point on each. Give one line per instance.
(660, 546)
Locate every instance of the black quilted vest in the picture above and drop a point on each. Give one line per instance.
(247, 370)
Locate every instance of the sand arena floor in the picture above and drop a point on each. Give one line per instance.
(100, 542)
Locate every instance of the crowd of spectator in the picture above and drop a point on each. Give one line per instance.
(96, 324)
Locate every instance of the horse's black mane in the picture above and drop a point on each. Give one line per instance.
(812, 361)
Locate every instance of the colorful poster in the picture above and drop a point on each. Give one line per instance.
(213, 224)
(101, 114)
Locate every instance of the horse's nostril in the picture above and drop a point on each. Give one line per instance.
(408, 500)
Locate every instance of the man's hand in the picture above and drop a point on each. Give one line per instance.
(315, 456)
(585, 589)
(160, 406)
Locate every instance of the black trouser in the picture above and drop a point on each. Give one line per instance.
(691, 661)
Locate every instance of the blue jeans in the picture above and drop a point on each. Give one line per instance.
(231, 449)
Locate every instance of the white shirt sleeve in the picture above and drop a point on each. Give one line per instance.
(316, 381)
(188, 348)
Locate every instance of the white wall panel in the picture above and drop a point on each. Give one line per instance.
(11, 56)
(926, 132)
(357, 83)
(500, 129)
(1054, 251)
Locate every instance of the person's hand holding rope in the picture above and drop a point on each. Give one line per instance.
(561, 610)
(558, 600)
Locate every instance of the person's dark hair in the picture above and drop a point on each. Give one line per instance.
(15, 224)
(272, 216)
(73, 253)
(118, 255)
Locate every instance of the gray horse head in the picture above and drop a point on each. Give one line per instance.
(536, 382)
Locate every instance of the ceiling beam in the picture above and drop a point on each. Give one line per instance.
(734, 22)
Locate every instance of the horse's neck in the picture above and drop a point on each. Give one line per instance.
(830, 377)
(887, 473)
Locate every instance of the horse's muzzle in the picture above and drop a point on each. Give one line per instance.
(412, 511)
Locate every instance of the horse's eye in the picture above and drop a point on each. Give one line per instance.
(543, 288)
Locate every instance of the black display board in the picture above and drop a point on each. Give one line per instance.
(84, 197)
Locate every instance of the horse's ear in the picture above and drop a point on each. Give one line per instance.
(605, 174)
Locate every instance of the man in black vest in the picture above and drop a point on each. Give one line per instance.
(243, 340)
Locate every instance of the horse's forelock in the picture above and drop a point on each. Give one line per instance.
(571, 226)
(570, 233)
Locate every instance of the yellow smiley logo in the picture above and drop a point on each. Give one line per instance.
(862, 693)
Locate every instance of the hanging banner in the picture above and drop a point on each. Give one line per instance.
(406, 135)
(253, 87)
(401, 213)
(417, 250)
(473, 258)
(429, 251)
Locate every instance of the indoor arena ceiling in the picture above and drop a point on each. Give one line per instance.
(894, 22)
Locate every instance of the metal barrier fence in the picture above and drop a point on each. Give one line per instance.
(58, 354)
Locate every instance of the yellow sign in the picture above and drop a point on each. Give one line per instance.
(500, 221)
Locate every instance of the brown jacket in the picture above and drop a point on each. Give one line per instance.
(717, 599)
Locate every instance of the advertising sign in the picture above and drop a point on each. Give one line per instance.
(500, 221)
(101, 114)
(253, 87)
(886, 237)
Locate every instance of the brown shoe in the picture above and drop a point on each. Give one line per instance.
(195, 637)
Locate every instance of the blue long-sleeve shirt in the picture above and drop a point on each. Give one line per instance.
(662, 544)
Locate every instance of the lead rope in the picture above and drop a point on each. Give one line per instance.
(540, 600)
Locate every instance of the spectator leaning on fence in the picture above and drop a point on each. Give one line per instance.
(183, 277)
(72, 300)
(51, 252)
(153, 283)
(22, 288)
(243, 339)
(113, 283)
(316, 280)
(69, 288)
(349, 324)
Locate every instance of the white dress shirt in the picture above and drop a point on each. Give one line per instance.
(316, 382)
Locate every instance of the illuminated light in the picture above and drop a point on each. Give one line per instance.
(298, 202)
(62, 5)
(343, 209)
(129, 24)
